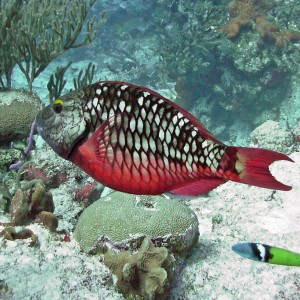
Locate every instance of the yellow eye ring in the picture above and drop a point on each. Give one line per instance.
(58, 106)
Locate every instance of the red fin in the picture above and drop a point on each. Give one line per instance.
(199, 187)
(95, 155)
(94, 149)
(117, 169)
(255, 164)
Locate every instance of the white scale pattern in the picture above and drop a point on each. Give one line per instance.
(139, 138)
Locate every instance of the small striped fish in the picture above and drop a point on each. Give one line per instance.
(134, 140)
(267, 254)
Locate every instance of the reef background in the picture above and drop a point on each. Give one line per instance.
(233, 82)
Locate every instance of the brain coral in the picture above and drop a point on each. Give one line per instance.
(271, 136)
(122, 220)
(17, 111)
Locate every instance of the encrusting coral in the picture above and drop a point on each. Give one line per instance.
(147, 272)
(126, 219)
(252, 14)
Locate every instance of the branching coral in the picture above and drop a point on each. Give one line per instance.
(252, 14)
(189, 36)
(189, 39)
(34, 32)
(57, 82)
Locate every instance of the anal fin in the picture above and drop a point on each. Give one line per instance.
(199, 187)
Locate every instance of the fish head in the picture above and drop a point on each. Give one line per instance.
(62, 125)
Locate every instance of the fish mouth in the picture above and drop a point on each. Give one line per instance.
(64, 153)
(76, 144)
(58, 150)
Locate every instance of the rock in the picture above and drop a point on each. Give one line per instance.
(271, 136)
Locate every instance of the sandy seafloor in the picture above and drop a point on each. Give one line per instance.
(59, 270)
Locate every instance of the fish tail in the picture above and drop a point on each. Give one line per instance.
(252, 164)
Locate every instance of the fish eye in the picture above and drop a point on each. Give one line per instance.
(58, 106)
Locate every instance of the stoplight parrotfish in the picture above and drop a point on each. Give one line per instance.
(267, 254)
(134, 140)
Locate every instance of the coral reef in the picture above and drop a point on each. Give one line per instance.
(226, 82)
(88, 193)
(17, 111)
(51, 181)
(272, 136)
(126, 219)
(27, 201)
(33, 204)
(253, 14)
(147, 272)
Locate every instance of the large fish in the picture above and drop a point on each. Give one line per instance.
(134, 140)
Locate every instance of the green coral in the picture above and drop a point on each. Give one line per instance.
(17, 111)
(147, 273)
(122, 221)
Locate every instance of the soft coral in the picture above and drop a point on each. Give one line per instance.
(252, 14)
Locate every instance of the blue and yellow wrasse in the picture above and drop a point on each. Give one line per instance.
(268, 254)
(134, 140)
